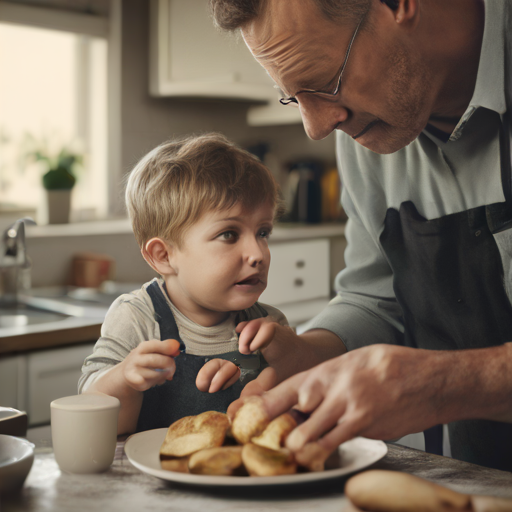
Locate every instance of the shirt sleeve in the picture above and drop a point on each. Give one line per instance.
(129, 321)
(365, 310)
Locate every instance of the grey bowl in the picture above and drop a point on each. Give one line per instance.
(16, 459)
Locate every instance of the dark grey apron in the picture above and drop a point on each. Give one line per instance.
(162, 405)
(448, 278)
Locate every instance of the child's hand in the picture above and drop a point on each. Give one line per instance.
(255, 334)
(217, 374)
(149, 364)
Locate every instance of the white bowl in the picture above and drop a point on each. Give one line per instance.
(16, 458)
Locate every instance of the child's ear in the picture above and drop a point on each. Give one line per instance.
(158, 256)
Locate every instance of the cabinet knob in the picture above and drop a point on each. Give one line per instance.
(298, 282)
(300, 263)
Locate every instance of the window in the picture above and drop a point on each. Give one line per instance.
(53, 91)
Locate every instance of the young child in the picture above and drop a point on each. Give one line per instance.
(202, 211)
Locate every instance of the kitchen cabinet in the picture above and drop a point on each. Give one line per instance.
(299, 278)
(189, 57)
(31, 381)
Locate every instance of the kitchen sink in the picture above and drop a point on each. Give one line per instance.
(21, 316)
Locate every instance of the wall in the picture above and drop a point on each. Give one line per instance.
(146, 122)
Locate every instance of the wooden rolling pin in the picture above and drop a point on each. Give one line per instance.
(392, 491)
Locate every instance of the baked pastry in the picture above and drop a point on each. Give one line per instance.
(250, 420)
(392, 491)
(193, 433)
(225, 460)
(262, 461)
(276, 432)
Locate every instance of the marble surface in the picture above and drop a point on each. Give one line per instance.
(123, 488)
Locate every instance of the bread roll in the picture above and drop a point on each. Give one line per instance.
(276, 432)
(262, 461)
(250, 420)
(225, 460)
(391, 491)
(193, 433)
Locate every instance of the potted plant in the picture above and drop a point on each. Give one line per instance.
(58, 181)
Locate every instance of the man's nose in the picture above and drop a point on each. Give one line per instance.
(319, 117)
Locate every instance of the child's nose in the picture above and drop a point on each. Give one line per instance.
(254, 254)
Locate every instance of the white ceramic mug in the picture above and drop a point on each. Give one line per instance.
(84, 432)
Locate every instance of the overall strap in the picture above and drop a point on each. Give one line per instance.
(163, 315)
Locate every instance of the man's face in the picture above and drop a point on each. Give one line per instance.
(384, 100)
(223, 263)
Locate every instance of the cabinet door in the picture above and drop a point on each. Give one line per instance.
(53, 374)
(13, 382)
(299, 271)
(190, 57)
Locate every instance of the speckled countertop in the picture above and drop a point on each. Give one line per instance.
(123, 488)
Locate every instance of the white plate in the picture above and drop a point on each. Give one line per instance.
(143, 450)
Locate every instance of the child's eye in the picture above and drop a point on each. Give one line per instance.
(228, 235)
(265, 232)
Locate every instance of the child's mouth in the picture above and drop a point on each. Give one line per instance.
(252, 281)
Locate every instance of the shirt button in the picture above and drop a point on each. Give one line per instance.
(478, 233)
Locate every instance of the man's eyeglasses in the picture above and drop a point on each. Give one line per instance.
(292, 100)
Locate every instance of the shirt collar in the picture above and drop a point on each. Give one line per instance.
(490, 80)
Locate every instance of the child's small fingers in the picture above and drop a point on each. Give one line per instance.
(247, 334)
(206, 374)
(240, 326)
(263, 337)
(227, 375)
(171, 347)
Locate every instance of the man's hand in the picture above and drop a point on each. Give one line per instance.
(266, 380)
(256, 334)
(380, 392)
(217, 374)
(149, 364)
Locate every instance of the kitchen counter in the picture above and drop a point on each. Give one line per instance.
(123, 488)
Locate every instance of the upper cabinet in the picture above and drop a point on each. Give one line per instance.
(189, 57)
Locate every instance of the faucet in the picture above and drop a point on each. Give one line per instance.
(13, 260)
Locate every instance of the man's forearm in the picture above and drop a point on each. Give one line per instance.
(289, 354)
(477, 384)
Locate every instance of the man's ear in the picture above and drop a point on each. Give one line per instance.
(158, 254)
(406, 11)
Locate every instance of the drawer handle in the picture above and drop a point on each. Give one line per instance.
(298, 282)
(300, 263)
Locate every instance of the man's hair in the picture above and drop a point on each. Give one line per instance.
(234, 14)
(180, 180)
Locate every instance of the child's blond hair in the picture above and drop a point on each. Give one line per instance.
(180, 180)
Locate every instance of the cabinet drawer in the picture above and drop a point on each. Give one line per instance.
(53, 374)
(298, 271)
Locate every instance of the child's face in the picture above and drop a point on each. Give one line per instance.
(222, 265)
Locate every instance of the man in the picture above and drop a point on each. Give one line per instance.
(419, 93)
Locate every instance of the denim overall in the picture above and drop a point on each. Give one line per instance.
(162, 405)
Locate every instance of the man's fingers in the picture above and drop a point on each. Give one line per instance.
(310, 396)
(323, 419)
(283, 397)
(347, 428)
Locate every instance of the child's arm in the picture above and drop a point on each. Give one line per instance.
(149, 364)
